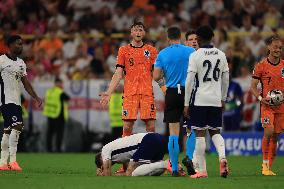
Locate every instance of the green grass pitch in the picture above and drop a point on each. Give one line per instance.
(78, 171)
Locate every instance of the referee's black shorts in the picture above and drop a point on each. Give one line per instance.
(174, 105)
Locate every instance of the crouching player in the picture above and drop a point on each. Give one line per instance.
(143, 152)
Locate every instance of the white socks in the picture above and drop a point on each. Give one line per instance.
(219, 144)
(13, 143)
(200, 147)
(4, 149)
(151, 169)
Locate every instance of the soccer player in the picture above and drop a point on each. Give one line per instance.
(270, 73)
(191, 39)
(211, 67)
(173, 62)
(13, 72)
(143, 152)
(135, 61)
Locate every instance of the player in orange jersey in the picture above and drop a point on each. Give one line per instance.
(135, 61)
(270, 73)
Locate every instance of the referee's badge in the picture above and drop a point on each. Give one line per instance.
(147, 53)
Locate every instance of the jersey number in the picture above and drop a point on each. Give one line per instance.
(216, 70)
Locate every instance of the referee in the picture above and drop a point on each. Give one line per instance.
(172, 63)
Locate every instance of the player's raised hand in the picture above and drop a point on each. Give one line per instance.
(105, 97)
(186, 112)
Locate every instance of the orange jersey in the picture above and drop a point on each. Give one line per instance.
(137, 63)
(271, 77)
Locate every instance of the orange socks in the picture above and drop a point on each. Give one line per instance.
(265, 148)
(272, 151)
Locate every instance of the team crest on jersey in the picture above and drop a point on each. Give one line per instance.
(125, 112)
(147, 53)
(266, 120)
(282, 72)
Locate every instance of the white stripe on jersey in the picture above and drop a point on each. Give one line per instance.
(10, 79)
(209, 64)
(121, 150)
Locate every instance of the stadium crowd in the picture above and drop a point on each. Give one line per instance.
(79, 39)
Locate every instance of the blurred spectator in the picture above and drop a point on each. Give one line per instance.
(111, 59)
(272, 17)
(221, 40)
(255, 43)
(51, 44)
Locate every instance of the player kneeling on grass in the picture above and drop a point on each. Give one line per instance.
(143, 152)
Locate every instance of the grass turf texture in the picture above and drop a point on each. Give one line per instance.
(78, 171)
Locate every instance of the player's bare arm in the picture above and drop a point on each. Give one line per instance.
(105, 96)
(107, 168)
(255, 91)
(158, 77)
(188, 90)
(28, 87)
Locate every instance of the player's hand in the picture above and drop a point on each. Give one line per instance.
(38, 101)
(186, 112)
(99, 172)
(265, 101)
(105, 97)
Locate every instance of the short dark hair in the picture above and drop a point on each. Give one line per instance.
(98, 160)
(205, 32)
(12, 38)
(272, 38)
(188, 33)
(138, 24)
(174, 33)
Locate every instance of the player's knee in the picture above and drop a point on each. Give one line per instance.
(214, 132)
(18, 127)
(268, 132)
(7, 132)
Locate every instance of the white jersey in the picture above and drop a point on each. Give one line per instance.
(121, 150)
(208, 64)
(10, 78)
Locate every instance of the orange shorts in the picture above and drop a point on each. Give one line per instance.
(273, 120)
(133, 104)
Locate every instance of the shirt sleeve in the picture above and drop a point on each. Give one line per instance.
(192, 67)
(1, 63)
(24, 69)
(257, 71)
(226, 66)
(159, 62)
(153, 57)
(120, 61)
(106, 153)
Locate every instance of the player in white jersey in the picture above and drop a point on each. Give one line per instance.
(13, 72)
(143, 152)
(211, 67)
